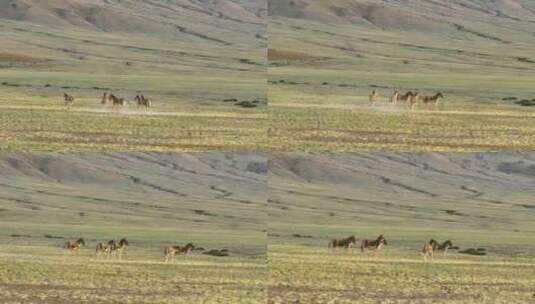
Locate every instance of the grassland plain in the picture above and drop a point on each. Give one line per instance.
(325, 58)
(475, 200)
(203, 65)
(217, 201)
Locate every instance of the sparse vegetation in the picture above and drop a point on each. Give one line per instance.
(151, 199)
(54, 129)
(472, 199)
(170, 53)
(388, 46)
(48, 275)
(305, 274)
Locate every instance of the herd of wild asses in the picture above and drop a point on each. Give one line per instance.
(116, 249)
(115, 101)
(428, 250)
(411, 98)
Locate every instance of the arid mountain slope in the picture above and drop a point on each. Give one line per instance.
(402, 193)
(170, 191)
(426, 15)
(153, 17)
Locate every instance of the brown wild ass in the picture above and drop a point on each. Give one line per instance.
(102, 250)
(414, 99)
(373, 245)
(433, 246)
(104, 99)
(407, 97)
(373, 96)
(74, 245)
(432, 99)
(116, 101)
(394, 98)
(118, 248)
(443, 247)
(142, 101)
(429, 249)
(172, 251)
(68, 99)
(346, 243)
